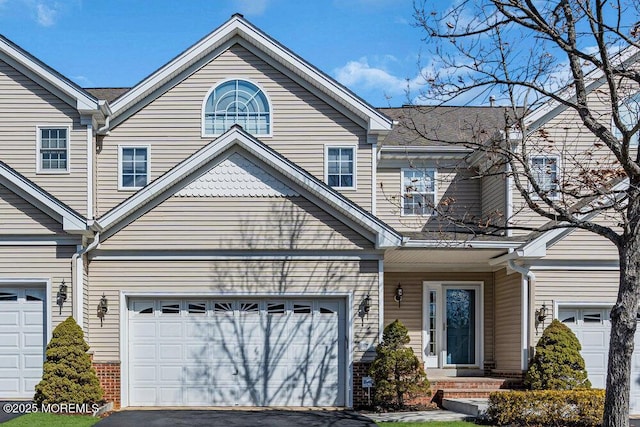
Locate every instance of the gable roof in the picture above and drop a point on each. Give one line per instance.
(192, 167)
(50, 79)
(72, 222)
(239, 30)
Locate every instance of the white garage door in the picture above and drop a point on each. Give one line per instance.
(227, 352)
(21, 341)
(592, 327)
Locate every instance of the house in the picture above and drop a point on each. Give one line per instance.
(236, 229)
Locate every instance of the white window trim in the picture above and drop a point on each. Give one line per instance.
(353, 147)
(536, 196)
(435, 191)
(122, 147)
(39, 169)
(203, 132)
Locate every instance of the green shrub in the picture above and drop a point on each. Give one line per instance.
(542, 408)
(557, 363)
(68, 376)
(396, 371)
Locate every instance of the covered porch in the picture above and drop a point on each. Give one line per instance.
(464, 315)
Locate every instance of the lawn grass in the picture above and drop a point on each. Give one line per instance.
(51, 420)
(428, 424)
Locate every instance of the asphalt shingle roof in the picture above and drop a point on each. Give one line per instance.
(444, 125)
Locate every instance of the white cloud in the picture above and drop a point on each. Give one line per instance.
(46, 15)
(251, 7)
(360, 74)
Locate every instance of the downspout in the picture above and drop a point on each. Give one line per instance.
(528, 282)
(78, 267)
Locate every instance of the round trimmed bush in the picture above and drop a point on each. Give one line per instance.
(68, 376)
(557, 363)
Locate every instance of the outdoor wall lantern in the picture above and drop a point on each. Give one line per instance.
(364, 307)
(541, 316)
(61, 296)
(366, 304)
(103, 307)
(398, 295)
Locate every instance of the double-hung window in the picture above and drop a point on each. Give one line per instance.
(418, 191)
(545, 172)
(340, 167)
(53, 149)
(133, 167)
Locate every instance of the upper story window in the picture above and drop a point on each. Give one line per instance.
(545, 172)
(629, 109)
(133, 166)
(418, 191)
(53, 149)
(340, 167)
(236, 102)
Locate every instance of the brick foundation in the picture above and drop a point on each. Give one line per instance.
(109, 375)
(360, 369)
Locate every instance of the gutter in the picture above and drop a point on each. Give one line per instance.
(76, 280)
(528, 284)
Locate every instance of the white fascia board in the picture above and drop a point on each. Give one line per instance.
(83, 101)
(71, 222)
(377, 122)
(386, 237)
(457, 244)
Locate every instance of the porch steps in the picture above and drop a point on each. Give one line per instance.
(469, 387)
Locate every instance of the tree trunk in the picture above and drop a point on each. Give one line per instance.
(623, 322)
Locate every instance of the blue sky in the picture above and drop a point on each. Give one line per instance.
(370, 46)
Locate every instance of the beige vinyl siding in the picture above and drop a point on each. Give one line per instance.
(493, 198)
(582, 245)
(171, 124)
(564, 135)
(508, 315)
(51, 263)
(410, 311)
(233, 278)
(291, 223)
(24, 105)
(558, 286)
(21, 217)
(453, 185)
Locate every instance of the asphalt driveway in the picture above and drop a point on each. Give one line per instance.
(235, 418)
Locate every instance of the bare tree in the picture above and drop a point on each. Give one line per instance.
(538, 58)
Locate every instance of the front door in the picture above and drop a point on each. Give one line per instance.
(452, 324)
(460, 326)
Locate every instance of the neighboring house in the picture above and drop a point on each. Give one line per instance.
(237, 229)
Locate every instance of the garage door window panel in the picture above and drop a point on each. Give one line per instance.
(8, 296)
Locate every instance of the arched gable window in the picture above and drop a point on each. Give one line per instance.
(237, 102)
(629, 115)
